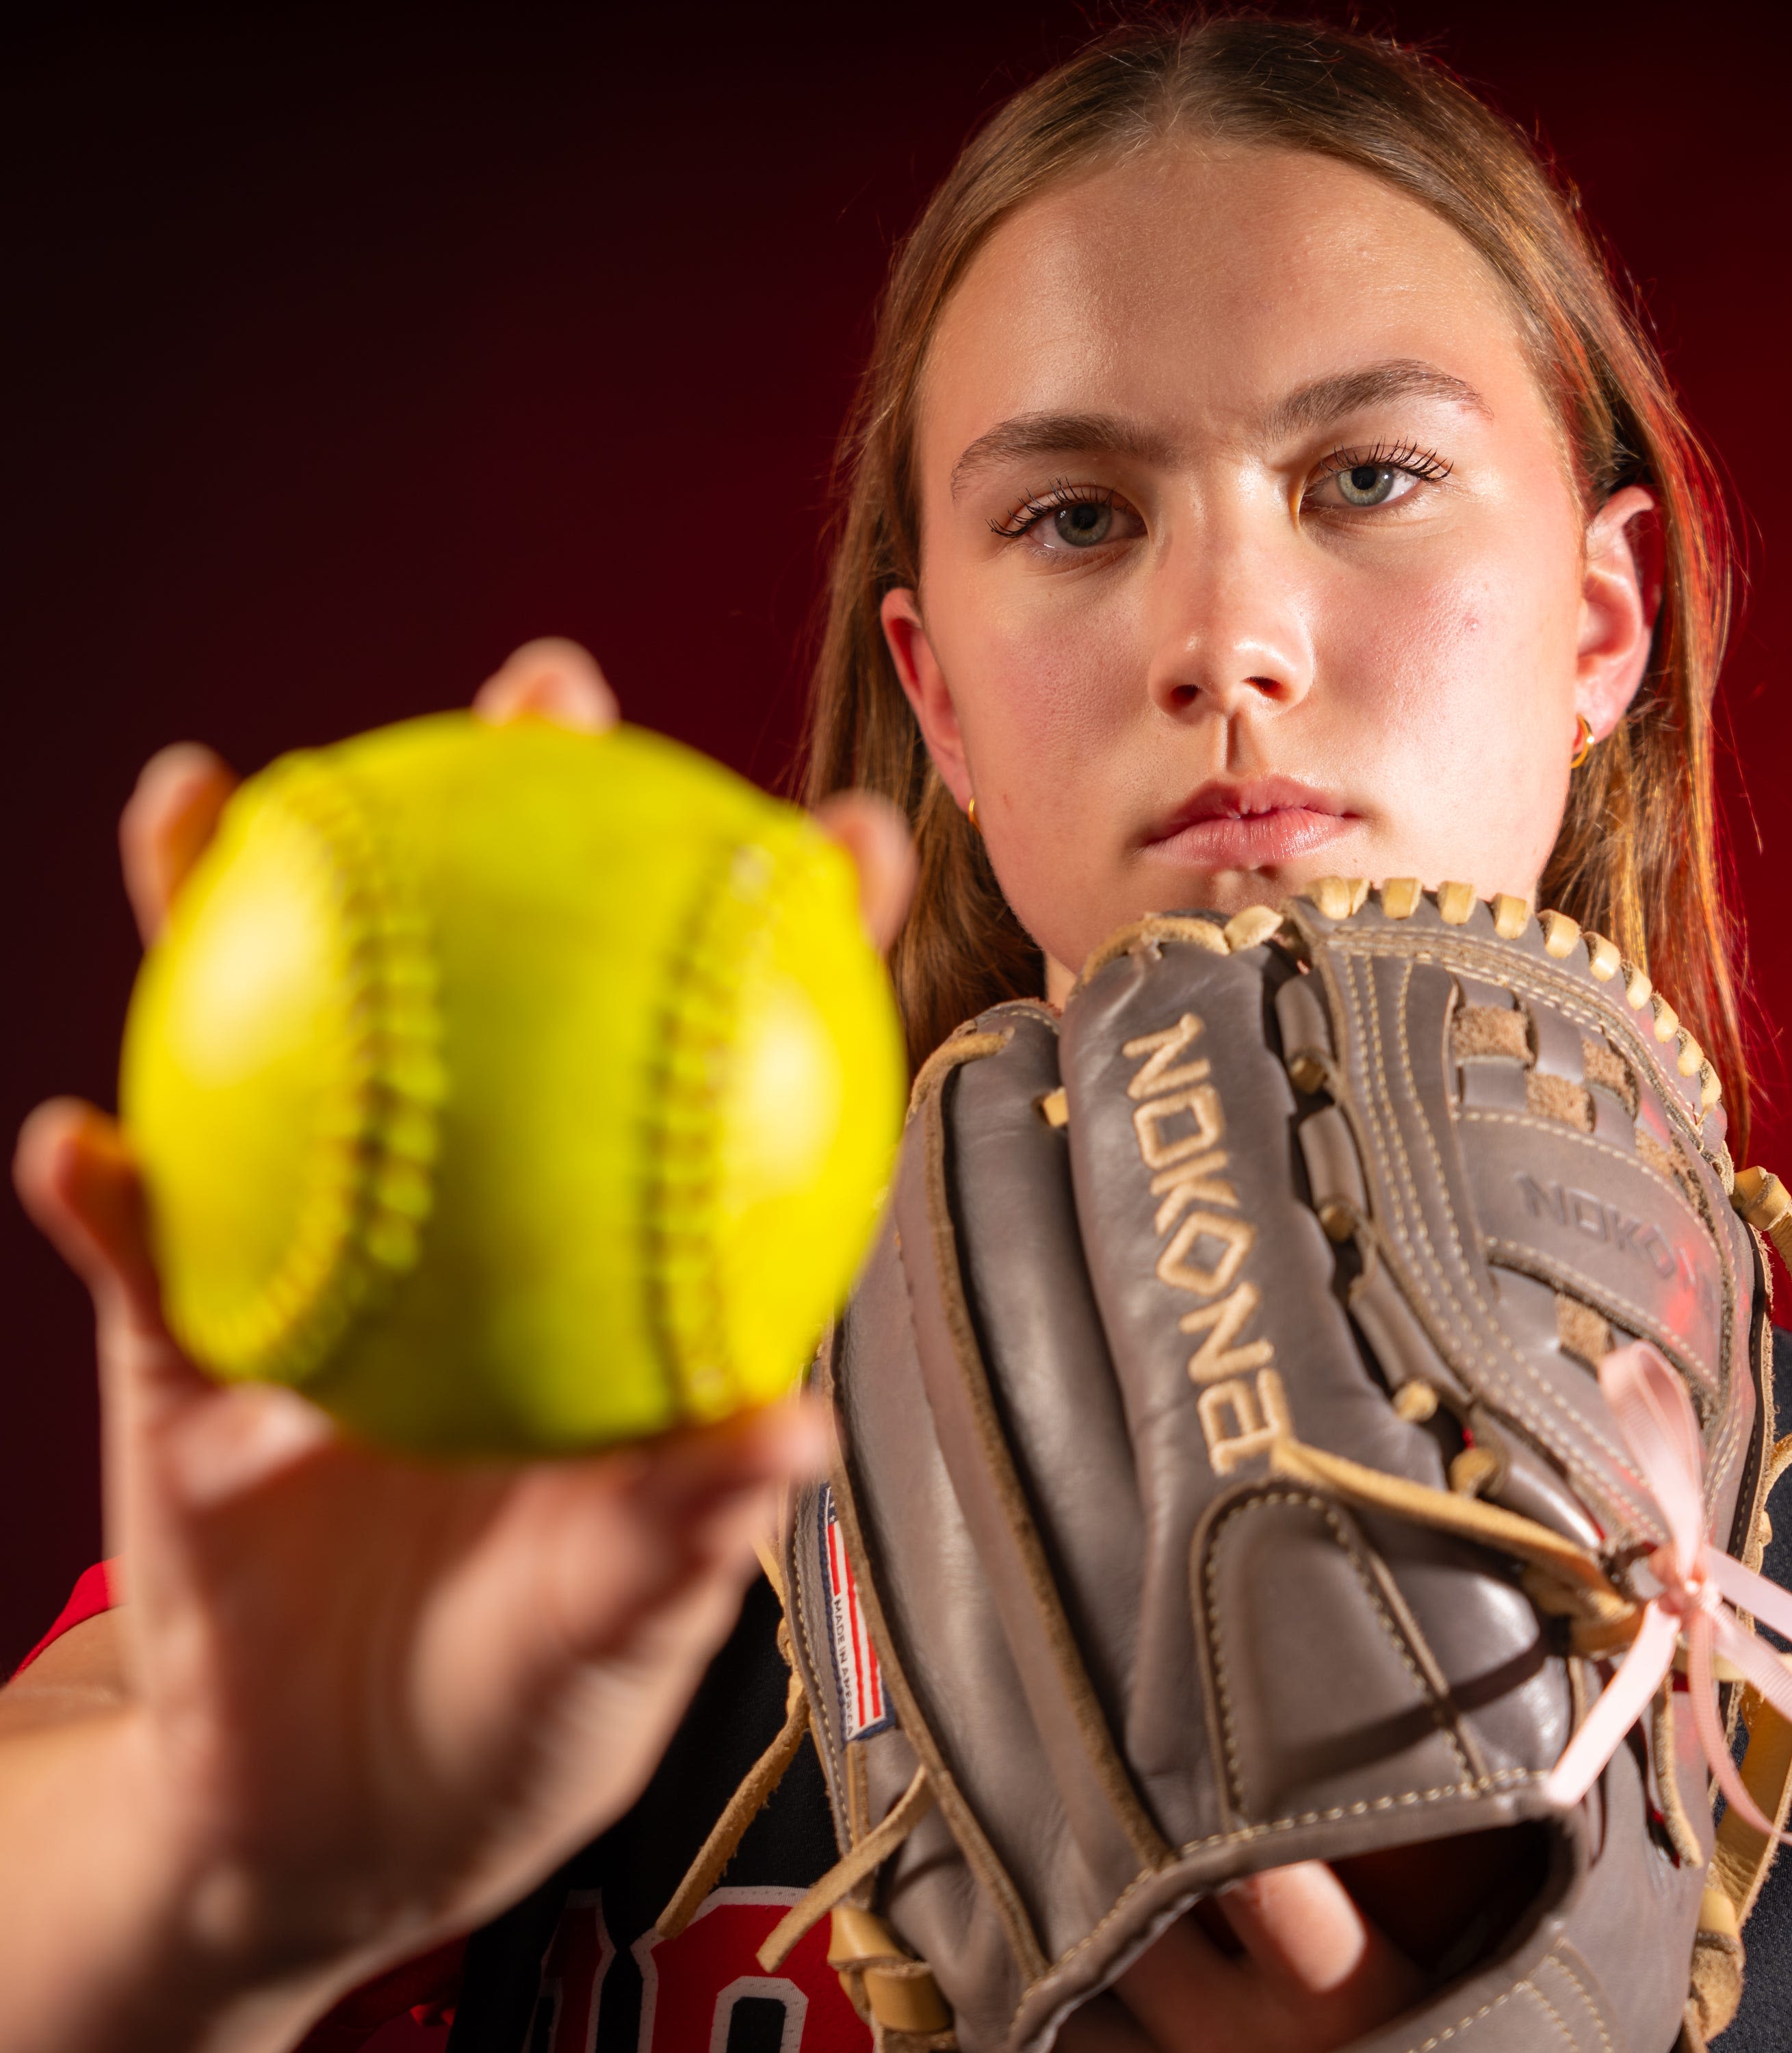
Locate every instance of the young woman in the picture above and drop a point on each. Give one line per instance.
(1257, 476)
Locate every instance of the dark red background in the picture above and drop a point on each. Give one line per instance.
(347, 349)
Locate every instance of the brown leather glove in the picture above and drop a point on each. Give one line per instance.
(1226, 1481)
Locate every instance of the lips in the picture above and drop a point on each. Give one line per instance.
(1254, 824)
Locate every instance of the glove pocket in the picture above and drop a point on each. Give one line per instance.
(1366, 1683)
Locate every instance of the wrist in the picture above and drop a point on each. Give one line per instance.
(122, 1929)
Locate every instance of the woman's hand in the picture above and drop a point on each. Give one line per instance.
(1283, 1963)
(365, 1702)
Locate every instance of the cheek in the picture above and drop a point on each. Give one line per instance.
(1043, 682)
(1049, 690)
(1451, 693)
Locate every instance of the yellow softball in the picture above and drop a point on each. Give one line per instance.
(511, 1090)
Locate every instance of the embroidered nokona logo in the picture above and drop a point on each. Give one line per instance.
(1242, 1414)
(857, 1679)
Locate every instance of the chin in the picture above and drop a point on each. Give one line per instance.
(1228, 891)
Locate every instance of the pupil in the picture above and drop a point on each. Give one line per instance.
(1365, 478)
(1085, 523)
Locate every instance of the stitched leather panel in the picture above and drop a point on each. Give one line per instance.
(1392, 986)
(1260, 1248)
(942, 1637)
(1329, 1702)
(1573, 1209)
(1094, 1858)
(1040, 1334)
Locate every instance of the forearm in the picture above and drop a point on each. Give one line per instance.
(102, 1940)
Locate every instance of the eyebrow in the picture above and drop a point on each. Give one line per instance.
(1313, 406)
(1059, 434)
(1328, 399)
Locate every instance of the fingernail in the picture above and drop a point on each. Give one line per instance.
(799, 1437)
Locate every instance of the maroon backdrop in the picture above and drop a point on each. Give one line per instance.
(349, 349)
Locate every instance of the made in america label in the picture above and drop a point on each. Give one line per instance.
(864, 1709)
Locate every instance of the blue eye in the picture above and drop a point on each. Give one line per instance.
(1070, 518)
(1085, 525)
(1361, 479)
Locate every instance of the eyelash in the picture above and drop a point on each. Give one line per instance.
(1056, 495)
(1423, 464)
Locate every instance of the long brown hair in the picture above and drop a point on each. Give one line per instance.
(1638, 855)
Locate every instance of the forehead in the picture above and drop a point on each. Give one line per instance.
(1195, 284)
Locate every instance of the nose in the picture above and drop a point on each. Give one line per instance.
(1229, 633)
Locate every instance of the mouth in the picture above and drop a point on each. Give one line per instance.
(1254, 823)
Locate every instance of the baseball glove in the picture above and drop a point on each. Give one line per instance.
(1227, 1480)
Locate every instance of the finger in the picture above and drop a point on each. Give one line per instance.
(1299, 1922)
(623, 1529)
(772, 1443)
(875, 835)
(1181, 1974)
(704, 1492)
(76, 1178)
(166, 821)
(553, 679)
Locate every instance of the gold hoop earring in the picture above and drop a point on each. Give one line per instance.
(1583, 742)
(970, 814)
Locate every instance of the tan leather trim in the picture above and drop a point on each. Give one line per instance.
(1662, 1756)
(1585, 1589)
(1563, 986)
(901, 1992)
(1715, 1987)
(848, 1871)
(963, 1047)
(1776, 1453)
(1481, 1033)
(747, 1803)
(1743, 1855)
(1562, 1100)
(1154, 929)
(1581, 1331)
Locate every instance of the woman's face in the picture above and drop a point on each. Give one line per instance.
(1249, 552)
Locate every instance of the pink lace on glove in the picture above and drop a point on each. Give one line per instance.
(1696, 1580)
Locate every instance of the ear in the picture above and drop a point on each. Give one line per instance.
(924, 683)
(1619, 601)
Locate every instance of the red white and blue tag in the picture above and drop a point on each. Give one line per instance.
(864, 1709)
